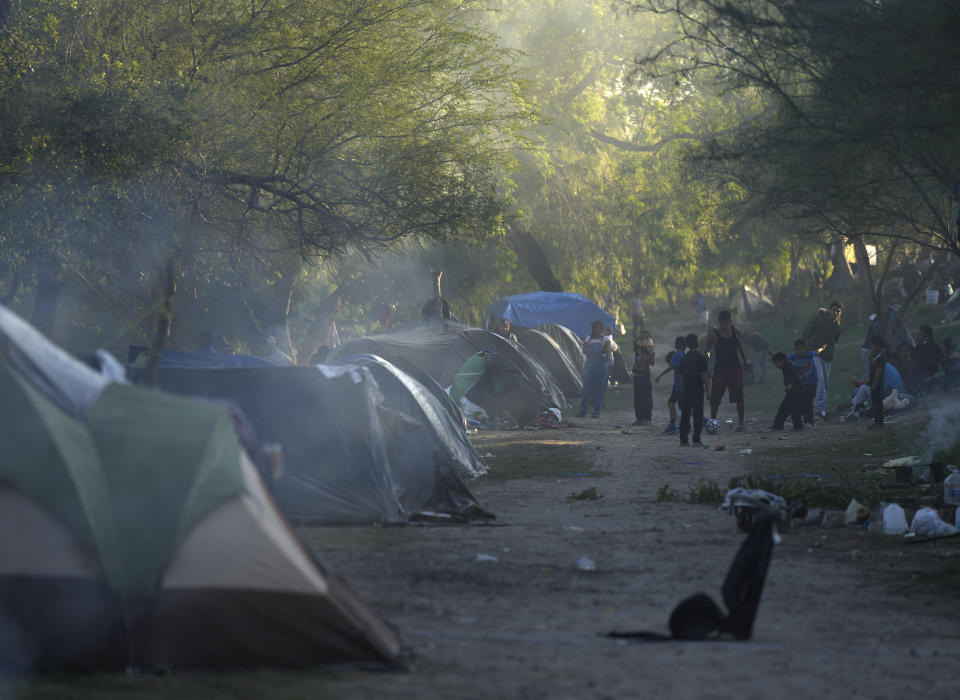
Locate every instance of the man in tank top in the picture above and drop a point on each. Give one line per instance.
(724, 345)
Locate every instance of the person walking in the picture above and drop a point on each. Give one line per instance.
(723, 343)
(693, 379)
(596, 348)
(823, 330)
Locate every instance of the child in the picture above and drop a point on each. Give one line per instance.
(802, 361)
(878, 365)
(644, 354)
(673, 359)
(792, 402)
(692, 369)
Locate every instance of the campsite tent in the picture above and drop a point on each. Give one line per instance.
(514, 379)
(568, 341)
(574, 311)
(138, 535)
(363, 442)
(569, 377)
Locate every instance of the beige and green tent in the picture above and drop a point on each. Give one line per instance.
(135, 532)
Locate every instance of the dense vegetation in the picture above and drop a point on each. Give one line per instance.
(285, 160)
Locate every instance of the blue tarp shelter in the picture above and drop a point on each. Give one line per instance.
(533, 309)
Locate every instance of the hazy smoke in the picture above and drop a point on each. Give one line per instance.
(941, 432)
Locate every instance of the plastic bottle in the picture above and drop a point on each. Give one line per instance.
(894, 520)
(951, 486)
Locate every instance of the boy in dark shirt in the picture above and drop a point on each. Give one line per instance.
(692, 370)
(792, 403)
(877, 368)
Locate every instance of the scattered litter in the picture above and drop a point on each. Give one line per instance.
(489, 455)
(749, 504)
(927, 523)
(868, 454)
(729, 420)
(585, 564)
(833, 518)
(574, 528)
(902, 462)
(894, 520)
(856, 513)
(746, 451)
(589, 494)
(626, 432)
(481, 557)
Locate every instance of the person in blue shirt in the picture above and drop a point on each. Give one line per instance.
(792, 401)
(874, 388)
(673, 360)
(802, 361)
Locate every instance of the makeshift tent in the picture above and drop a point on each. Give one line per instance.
(441, 348)
(753, 305)
(552, 356)
(574, 311)
(140, 536)
(197, 360)
(61, 378)
(568, 341)
(363, 442)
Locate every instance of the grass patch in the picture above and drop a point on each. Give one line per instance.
(590, 494)
(522, 459)
(702, 492)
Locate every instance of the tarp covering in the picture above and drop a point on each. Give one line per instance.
(533, 309)
(553, 357)
(362, 442)
(568, 341)
(197, 360)
(62, 379)
(440, 348)
(139, 535)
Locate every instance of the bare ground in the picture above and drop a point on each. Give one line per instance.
(844, 612)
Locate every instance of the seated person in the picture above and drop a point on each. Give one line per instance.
(908, 369)
(891, 380)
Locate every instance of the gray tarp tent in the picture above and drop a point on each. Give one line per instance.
(440, 348)
(553, 357)
(363, 442)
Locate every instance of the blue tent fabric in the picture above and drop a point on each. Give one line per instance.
(180, 359)
(574, 311)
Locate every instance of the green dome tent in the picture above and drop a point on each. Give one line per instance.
(137, 534)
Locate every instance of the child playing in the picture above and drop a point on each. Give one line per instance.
(792, 403)
(692, 369)
(802, 361)
(673, 359)
(644, 354)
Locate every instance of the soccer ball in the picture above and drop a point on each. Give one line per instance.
(712, 425)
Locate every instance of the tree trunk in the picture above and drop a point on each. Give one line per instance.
(865, 282)
(49, 286)
(531, 254)
(841, 279)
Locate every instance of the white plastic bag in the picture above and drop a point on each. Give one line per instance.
(927, 523)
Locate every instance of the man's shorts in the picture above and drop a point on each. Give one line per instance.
(731, 380)
(675, 396)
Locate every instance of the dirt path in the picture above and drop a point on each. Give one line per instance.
(502, 612)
